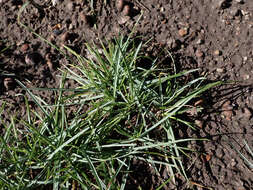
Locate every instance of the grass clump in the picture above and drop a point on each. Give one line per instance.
(132, 114)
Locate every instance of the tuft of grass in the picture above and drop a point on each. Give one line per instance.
(132, 114)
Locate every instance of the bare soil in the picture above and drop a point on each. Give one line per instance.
(213, 35)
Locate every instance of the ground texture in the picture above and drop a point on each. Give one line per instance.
(213, 35)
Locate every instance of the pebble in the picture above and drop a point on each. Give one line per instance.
(24, 47)
(233, 163)
(199, 123)
(217, 52)
(120, 4)
(84, 18)
(220, 70)
(65, 36)
(8, 83)
(200, 41)
(246, 77)
(239, 1)
(199, 53)
(70, 6)
(50, 65)
(54, 2)
(126, 10)
(123, 19)
(247, 112)
(227, 110)
(183, 32)
(219, 153)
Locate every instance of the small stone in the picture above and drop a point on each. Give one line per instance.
(199, 123)
(65, 36)
(200, 41)
(24, 47)
(54, 2)
(227, 110)
(246, 77)
(120, 5)
(50, 65)
(183, 32)
(217, 52)
(233, 163)
(199, 53)
(123, 19)
(247, 112)
(71, 26)
(9, 83)
(220, 70)
(70, 6)
(239, 1)
(126, 10)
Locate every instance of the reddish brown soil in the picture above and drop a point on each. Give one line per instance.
(213, 35)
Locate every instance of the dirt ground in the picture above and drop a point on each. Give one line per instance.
(213, 35)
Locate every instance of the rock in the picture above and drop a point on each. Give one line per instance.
(200, 41)
(239, 1)
(70, 6)
(227, 110)
(183, 32)
(217, 52)
(24, 47)
(123, 19)
(50, 65)
(220, 70)
(54, 2)
(199, 53)
(120, 4)
(199, 123)
(247, 112)
(126, 10)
